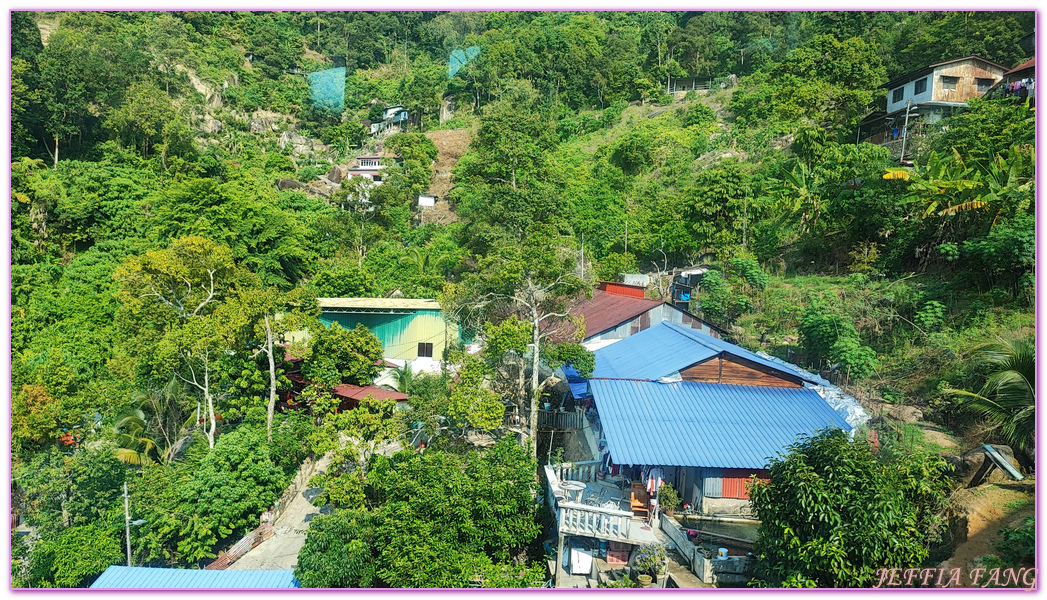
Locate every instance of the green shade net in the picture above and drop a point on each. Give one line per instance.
(327, 89)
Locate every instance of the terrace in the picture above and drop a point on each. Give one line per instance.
(584, 505)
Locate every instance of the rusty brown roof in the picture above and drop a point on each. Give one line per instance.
(358, 392)
(1025, 65)
(606, 311)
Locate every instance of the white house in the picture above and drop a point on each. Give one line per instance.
(946, 84)
(931, 92)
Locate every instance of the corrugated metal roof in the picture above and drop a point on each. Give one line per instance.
(379, 303)
(655, 352)
(606, 311)
(1029, 64)
(705, 424)
(359, 392)
(666, 348)
(121, 577)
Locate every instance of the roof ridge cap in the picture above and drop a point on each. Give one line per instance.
(689, 334)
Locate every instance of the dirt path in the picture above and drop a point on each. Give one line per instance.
(289, 532)
(990, 508)
(452, 144)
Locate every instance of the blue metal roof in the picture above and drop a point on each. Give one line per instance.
(666, 348)
(715, 425)
(120, 577)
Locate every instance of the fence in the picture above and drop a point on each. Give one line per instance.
(252, 539)
(561, 420)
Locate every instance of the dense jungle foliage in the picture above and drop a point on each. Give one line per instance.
(152, 251)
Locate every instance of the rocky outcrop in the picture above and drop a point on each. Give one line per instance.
(300, 144)
(289, 184)
(967, 466)
(335, 175)
(211, 124)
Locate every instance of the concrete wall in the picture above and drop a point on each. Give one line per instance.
(725, 506)
(730, 570)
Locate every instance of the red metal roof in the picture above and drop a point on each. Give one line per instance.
(623, 289)
(1025, 65)
(606, 311)
(357, 392)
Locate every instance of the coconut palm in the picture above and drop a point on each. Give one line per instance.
(1007, 400)
(134, 446)
(404, 378)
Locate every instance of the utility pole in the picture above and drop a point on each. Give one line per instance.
(627, 236)
(127, 524)
(905, 129)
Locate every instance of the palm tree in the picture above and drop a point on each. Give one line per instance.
(134, 446)
(1007, 400)
(404, 377)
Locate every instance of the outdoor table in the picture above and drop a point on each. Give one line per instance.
(573, 486)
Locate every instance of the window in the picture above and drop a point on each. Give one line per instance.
(949, 83)
(920, 86)
(898, 94)
(984, 84)
(425, 349)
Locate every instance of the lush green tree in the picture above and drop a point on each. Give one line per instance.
(538, 283)
(430, 525)
(74, 557)
(141, 119)
(232, 486)
(342, 355)
(832, 514)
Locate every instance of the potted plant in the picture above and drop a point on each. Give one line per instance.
(650, 559)
(668, 498)
(645, 580)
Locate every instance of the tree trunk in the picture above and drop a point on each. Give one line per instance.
(535, 335)
(210, 406)
(272, 379)
(56, 152)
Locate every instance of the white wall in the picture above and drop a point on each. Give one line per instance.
(909, 93)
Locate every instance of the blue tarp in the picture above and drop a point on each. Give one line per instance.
(693, 424)
(120, 577)
(578, 384)
(666, 348)
(327, 89)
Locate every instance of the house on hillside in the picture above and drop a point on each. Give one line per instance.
(929, 93)
(394, 118)
(409, 329)
(618, 310)
(369, 166)
(671, 404)
(1018, 83)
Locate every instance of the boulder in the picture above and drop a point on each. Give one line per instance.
(212, 125)
(967, 466)
(289, 184)
(214, 100)
(335, 175)
(263, 125)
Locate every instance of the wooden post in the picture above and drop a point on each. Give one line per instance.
(559, 562)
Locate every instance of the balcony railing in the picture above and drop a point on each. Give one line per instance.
(594, 521)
